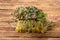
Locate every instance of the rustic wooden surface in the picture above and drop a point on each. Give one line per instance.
(50, 7)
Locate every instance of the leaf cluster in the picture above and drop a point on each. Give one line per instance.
(34, 18)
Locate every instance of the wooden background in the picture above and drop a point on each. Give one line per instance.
(50, 7)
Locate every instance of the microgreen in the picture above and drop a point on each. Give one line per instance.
(34, 18)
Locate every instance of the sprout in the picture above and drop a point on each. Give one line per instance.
(32, 19)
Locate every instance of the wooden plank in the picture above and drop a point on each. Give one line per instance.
(24, 39)
(50, 17)
(9, 32)
(30, 39)
(13, 34)
(49, 7)
(15, 1)
(44, 4)
(7, 12)
(6, 18)
(5, 24)
(13, 6)
(18, 1)
(53, 39)
(51, 10)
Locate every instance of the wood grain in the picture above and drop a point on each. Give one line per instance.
(9, 32)
(30, 38)
(50, 7)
